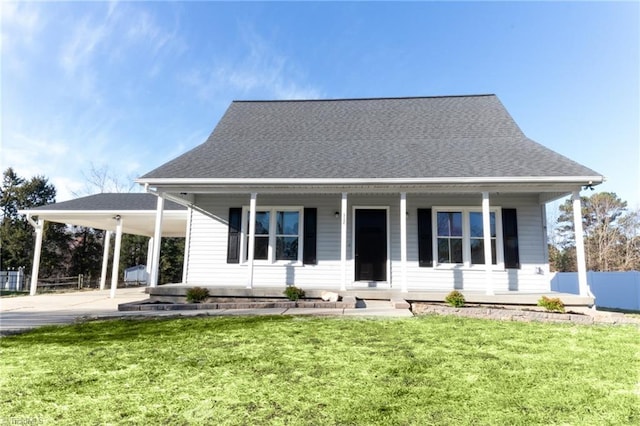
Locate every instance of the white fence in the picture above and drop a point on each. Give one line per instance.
(12, 280)
(614, 290)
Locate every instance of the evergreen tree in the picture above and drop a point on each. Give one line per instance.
(17, 235)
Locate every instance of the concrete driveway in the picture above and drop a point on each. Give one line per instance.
(26, 312)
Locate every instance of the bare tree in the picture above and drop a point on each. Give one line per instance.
(103, 179)
(605, 224)
(630, 245)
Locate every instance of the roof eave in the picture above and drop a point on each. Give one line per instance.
(176, 182)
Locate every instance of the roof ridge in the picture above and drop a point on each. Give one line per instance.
(365, 99)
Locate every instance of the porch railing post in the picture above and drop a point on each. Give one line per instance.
(343, 242)
(486, 237)
(403, 240)
(252, 234)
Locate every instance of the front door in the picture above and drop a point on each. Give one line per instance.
(371, 245)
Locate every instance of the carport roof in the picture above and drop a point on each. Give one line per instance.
(136, 210)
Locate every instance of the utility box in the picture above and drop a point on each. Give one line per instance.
(136, 275)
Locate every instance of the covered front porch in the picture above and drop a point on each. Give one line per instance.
(232, 219)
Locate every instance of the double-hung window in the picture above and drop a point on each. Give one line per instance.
(459, 236)
(277, 236)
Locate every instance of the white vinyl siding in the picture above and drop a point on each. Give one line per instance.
(208, 244)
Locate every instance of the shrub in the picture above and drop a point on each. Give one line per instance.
(455, 298)
(294, 293)
(551, 304)
(197, 294)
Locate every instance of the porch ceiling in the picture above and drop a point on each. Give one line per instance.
(174, 222)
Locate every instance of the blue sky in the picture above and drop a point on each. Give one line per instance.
(131, 85)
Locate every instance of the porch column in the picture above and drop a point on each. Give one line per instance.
(577, 226)
(343, 242)
(187, 242)
(116, 257)
(252, 234)
(105, 259)
(486, 234)
(157, 240)
(403, 241)
(35, 268)
(149, 257)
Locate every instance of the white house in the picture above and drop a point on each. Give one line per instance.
(408, 194)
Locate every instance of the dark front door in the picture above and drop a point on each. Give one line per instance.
(371, 245)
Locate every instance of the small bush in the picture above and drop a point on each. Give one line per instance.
(197, 294)
(294, 293)
(455, 298)
(551, 304)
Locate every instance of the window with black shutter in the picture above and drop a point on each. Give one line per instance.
(425, 247)
(510, 238)
(309, 256)
(233, 239)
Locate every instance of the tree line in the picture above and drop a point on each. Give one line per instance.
(70, 250)
(611, 235)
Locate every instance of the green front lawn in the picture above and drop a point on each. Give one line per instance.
(307, 370)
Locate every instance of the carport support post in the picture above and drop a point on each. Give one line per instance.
(403, 241)
(343, 242)
(105, 259)
(577, 226)
(35, 269)
(252, 234)
(149, 257)
(116, 257)
(486, 237)
(157, 239)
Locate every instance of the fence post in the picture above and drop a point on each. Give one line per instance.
(80, 280)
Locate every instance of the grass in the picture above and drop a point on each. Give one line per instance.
(9, 293)
(304, 370)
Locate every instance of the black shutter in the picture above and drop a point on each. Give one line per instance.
(510, 237)
(309, 240)
(425, 243)
(233, 241)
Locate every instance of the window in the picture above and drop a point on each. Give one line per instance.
(476, 238)
(277, 235)
(459, 236)
(449, 237)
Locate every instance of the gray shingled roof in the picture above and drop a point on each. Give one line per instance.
(111, 202)
(430, 137)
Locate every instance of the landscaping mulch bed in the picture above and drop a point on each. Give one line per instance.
(523, 315)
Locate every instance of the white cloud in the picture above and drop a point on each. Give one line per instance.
(262, 70)
(20, 24)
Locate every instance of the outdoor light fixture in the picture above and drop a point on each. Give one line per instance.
(337, 215)
(117, 217)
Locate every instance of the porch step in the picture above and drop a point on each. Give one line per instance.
(398, 303)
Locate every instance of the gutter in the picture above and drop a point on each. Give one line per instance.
(578, 180)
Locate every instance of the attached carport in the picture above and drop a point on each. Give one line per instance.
(119, 213)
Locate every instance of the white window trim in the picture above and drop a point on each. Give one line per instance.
(466, 237)
(272, 235)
